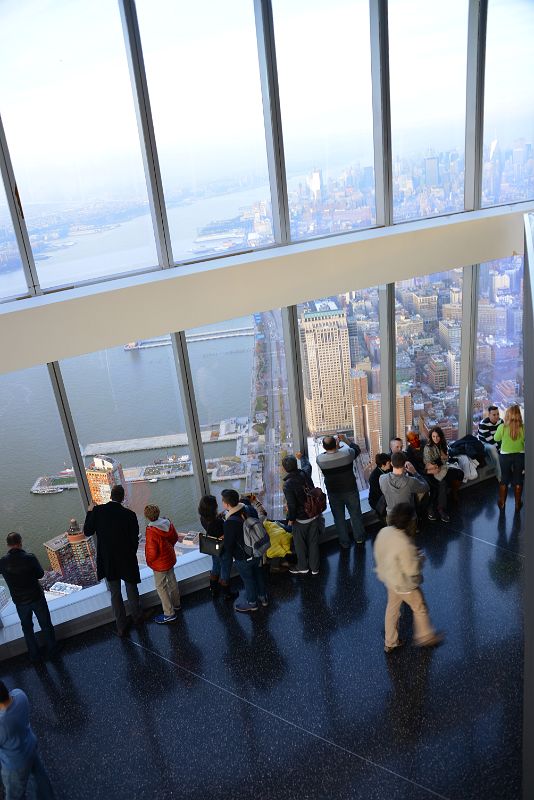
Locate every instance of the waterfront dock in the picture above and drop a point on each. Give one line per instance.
(155, 442)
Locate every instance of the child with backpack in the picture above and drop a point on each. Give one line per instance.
(246, 542)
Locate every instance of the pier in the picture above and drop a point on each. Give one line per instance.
(165, 341)
(154, 442)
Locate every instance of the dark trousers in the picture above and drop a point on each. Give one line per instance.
(29, 781)
(512, 468)
(117, 603)
(40, 609)
(306, 541)
(251, 572)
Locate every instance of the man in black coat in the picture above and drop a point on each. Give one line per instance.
(117, 537)
(21, 571)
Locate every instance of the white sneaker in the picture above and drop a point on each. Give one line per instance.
(295, 571)
(315, 571)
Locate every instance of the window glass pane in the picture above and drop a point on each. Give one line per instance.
(203, 76)
(324, 69)
(508, 174)
(68, 112)
(340, 347)
(12, 280)
(428, 64)
(126, 406)
(499, 358)
(39, 491)
(428, 314)
(240, 381)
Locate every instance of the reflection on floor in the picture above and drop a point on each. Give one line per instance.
(299, 700)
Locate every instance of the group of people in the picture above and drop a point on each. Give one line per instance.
(422, 476)
(403, 483)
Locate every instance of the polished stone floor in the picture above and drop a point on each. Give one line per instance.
(299, 700)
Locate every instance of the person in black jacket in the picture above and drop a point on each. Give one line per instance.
(377, 501)
(305, 528)
(21, 571)
(250, 569)
(221, 565)
(117, 535)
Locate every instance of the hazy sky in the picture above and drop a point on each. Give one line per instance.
(66, 102)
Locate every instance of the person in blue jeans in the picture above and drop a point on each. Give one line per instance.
(250, 569)
(23, 773)
(21, 571)
(221, 566)
(337, 466)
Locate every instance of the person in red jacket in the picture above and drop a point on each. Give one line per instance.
(161, 537)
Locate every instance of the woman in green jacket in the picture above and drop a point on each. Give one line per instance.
(511, 436)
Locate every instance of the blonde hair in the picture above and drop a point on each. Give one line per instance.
(151, 513)
(514, 421)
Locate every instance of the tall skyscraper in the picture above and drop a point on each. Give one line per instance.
(373, 424)
(360, 389)
(104, 473)
(326, 371)
(403, 412)
(72, 552)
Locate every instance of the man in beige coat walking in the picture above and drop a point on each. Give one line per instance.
(398, 566)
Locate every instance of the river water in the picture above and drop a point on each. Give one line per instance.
(113, 394)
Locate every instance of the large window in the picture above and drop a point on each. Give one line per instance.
(324, 69)
(428, 314)
(240, 380)
(340, 347)
(12, 280)
(499, 354)
(128, 416)
(428, 57)
(68, 112)
(39, 493)
(203, 76)
(509, 103)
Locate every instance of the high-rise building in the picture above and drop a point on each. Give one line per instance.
(450, 334)
(326, 371)
(104, 473)
(432, 171)
(453, 366)
(491, 319)
(360, 389)
(72, 553)
(438, 373)
(373, 424)
(403, 411)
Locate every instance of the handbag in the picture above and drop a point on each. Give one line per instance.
(210, 545)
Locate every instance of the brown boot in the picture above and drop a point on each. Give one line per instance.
(503, 491)
(518, 491)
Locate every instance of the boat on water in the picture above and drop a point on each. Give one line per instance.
(47, 490)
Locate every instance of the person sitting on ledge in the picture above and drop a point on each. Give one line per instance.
(440, 474)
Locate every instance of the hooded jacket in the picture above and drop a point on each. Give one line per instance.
(161, 537)
(398, 563)
(401, 488)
